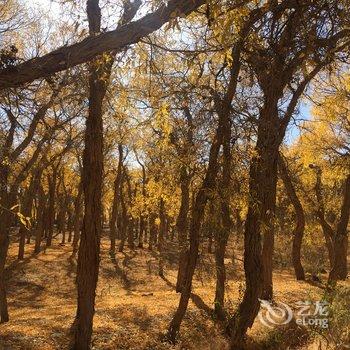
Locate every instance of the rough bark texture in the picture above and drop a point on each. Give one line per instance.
(261, 206)
(86, 50)
(327, 229)
(300, 218)
(340, 267)
(89, 249)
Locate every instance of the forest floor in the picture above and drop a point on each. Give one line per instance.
(133, 304)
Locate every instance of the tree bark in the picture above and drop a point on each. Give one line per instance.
(114, 215)
(26, 210)
(39, 229)
(182, 219)
(195, 227)
(259, 221)
(222, 235)
(77, 217)
(86, 50)
(92, 174)
(327, 229)
(52, 181)
(162, 232)
(182, 227)
(300, 219)
(340, 267)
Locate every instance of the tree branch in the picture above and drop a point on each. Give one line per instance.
(72, 55)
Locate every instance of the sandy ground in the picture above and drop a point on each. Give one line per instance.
(133, 304)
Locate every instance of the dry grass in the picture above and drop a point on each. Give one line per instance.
(133, 304)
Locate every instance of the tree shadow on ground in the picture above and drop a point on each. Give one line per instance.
(196, 299)
(121, 272)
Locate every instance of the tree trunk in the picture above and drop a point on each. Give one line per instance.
(300, 219)
(77, 217)
(340, 267)
(123, 227)
(152, 231)
(26, 210)
(195, 227)
(5, 223)
(39, 229)
(222, 235)
(259, 221)
(114, 215)
(142, 229)
(327, 229)
(162, 230)
(52, 180)
(131, 232)
(182, 227)
(92, 175)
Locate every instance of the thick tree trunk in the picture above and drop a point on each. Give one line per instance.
(340, 267)
(259, 221)
(300, 219)
(92, 174)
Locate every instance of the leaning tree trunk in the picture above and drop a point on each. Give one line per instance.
(327, 229)
(300, 219)
(340, 267)
(195, 227)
